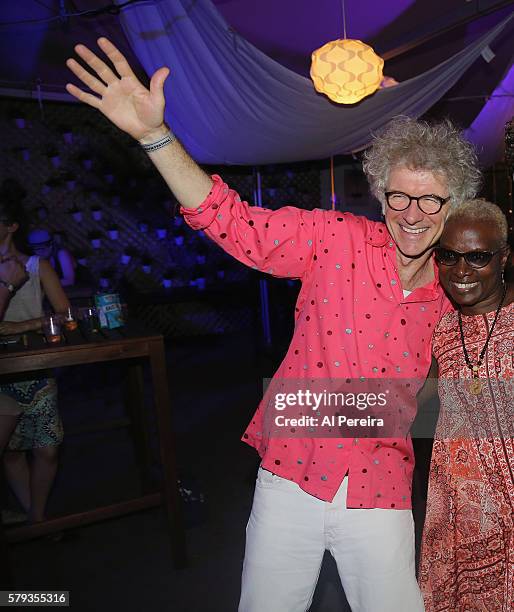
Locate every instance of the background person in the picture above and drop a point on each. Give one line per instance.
(467, 556)
(369, 302)
(39, 428)
(12, 276)
(62, 261)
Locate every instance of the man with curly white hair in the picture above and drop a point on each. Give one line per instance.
(369, 300)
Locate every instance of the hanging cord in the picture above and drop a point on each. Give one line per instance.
(344, 18)
(332, 183)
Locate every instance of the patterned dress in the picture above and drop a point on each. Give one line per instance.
(39, 424)
(467, 555)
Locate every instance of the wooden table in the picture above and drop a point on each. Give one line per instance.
(134, 345)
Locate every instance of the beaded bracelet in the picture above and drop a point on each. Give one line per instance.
(158, 144)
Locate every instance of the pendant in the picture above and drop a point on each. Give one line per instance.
(475, 386)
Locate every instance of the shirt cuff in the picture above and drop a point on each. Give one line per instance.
(202, 216)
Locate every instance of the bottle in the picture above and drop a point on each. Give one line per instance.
(108, 304)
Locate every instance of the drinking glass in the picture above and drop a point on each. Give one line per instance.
(70, 319)
(52, 328)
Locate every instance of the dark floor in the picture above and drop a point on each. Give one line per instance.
(125, 564)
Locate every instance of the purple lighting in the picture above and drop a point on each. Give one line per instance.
(309, 25)
(486, 131)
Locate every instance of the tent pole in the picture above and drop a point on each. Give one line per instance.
(263, 283)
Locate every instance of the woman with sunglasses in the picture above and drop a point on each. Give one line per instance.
(467, 557)
(43, 245)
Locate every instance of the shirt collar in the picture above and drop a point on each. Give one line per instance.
(432, 291)
(380, 236)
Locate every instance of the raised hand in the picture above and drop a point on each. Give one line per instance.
(121, 97)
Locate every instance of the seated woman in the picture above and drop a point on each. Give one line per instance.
(39, 428)
(12, 276)
(42, 244)
(467, 554)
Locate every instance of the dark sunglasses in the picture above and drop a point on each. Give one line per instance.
(475, 259)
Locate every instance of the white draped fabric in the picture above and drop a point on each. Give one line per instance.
(231, 104)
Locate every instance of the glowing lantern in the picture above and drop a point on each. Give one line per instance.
(346, 70)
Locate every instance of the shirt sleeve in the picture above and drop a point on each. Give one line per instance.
(279, 242)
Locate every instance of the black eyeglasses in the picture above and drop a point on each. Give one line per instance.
(475, 259)
(428, 204)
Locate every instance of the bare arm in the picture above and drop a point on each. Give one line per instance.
(5, 297)
(428, 405)
(12, 272)
(68, 268)
(139, 112)
(428, 393)
(55, 294)
(52, 287)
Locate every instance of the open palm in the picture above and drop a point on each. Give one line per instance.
(120, 96)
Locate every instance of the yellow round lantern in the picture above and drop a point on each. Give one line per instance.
(346, 70)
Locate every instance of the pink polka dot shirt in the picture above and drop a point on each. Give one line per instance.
(352, 321)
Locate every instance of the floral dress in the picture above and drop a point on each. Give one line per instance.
(467, 555)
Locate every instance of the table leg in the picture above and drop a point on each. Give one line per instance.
(135, 405)
(6, 581)
(167, 446)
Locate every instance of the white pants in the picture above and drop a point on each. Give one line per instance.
(288, 532)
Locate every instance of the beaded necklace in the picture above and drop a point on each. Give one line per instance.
(476, 386)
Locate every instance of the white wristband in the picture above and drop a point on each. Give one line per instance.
(158, 144)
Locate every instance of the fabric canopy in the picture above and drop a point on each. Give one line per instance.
(231, 104)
